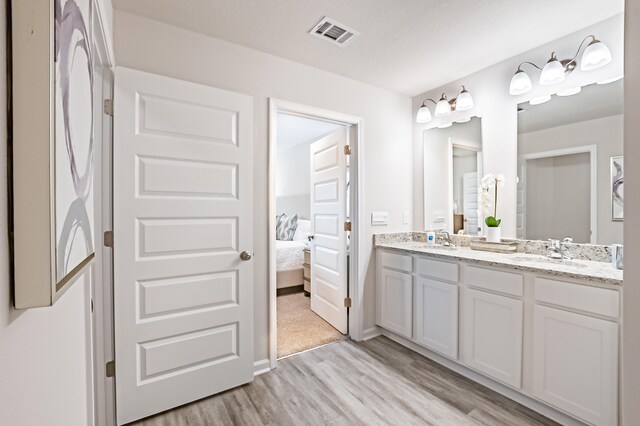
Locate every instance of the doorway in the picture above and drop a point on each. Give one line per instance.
(567, 180)
(312, 231)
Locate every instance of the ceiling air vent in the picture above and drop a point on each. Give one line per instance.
(333, 32)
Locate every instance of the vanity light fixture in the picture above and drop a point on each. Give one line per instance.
(540, 100)
(445, 106)
(570, 92)
(595, 55)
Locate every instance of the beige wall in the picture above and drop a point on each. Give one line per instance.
(45, 368)
(162, 49)
(490, 90)
(631, 308)
(607, 134)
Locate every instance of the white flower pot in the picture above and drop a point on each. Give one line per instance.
(493, 234)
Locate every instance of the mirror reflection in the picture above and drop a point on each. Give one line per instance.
(454, 153)
(570, 166)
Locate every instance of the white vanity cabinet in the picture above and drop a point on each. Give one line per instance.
(493, 335)
(537, 337)
(493, 323)
(436, 316)
(575, 355)
(394, 293)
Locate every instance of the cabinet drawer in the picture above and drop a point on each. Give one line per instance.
(437, 269)
(401, 262)
(600, 301)
(498, 281)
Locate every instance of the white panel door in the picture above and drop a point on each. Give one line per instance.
(436, 316)
(470, 202)
(575, 364)
(493, 335)
(328, 213)
(182, 216)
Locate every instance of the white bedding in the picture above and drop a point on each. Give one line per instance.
(289, 255)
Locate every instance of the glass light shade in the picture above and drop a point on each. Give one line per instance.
(443, 108)
(464, 100)
(596, 55)
(540, 100)
(445, 125)
(424, 115)
(520, 83)
(552, 73)
(569, 92)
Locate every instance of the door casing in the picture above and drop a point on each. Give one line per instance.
(356, 261)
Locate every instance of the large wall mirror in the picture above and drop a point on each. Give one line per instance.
(452, 170)
(570, 166)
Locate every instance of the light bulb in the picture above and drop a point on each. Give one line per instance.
(596, 55)
(442, 107)
(540, 100)
(464, 100)
(569, 92)
(424, 115)
(520, 83)
(553, 72)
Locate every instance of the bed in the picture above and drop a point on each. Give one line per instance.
(290, 257)
(289, 260)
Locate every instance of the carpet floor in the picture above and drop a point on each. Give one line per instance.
(299, 328)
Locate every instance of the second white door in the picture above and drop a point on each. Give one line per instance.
(328, 214)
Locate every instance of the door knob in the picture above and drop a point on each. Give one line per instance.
(245, 255)
(311, 237)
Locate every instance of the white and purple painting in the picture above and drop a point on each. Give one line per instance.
(617, 188)
(74, 138)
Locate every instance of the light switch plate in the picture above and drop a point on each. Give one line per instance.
(379, 218)
(405, 218)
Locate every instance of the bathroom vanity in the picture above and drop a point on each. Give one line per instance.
(544, 332)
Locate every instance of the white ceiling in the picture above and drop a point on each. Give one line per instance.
(408, 46)
(294, 130)
(594, 101)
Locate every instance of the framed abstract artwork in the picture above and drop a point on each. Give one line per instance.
(53, 148)
(617, 189)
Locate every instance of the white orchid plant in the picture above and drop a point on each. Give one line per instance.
(488, 198)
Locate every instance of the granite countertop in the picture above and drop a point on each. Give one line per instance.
(586, 270)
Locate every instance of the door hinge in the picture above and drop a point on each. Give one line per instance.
(108, 107)
(347, 226)
(108, 239)
(347, 150)
(111, 369)
(347, 302)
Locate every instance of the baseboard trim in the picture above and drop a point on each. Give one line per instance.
(371, 332)
(261, 366)
(520, 398)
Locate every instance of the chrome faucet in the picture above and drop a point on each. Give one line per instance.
(446, 238)
(558, 249)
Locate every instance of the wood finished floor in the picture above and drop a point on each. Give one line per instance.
(377, 382)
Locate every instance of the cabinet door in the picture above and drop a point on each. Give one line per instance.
(493, 335)
(575, 364)
(436, 313)
(394, 299)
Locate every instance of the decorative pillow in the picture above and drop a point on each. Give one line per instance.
(303, 230)
(286, 227)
